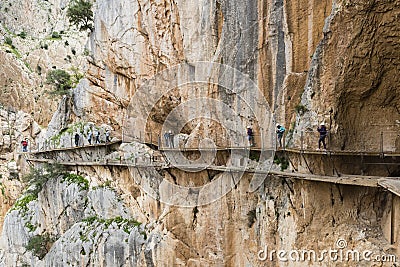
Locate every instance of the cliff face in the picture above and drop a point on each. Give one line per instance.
(91, 223)
(314, 61)
(39, 39)
(270, 41)
(357, 94)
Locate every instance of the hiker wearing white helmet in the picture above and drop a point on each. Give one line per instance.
(280, 130)
(322, 134)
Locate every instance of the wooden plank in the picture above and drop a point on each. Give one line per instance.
(391, 184)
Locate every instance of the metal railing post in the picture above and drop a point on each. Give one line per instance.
(382, 142)
(329, 140)
(261, 138)
(301, 141)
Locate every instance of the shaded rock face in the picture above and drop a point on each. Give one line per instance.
(353, 85)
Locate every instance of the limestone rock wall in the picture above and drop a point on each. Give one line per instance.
(264, 40)
(332, 61)
(352, 82)
(24, 65)
(282, 214)
(76, 224)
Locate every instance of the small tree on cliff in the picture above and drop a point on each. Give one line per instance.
(61, 80)
(80, 14)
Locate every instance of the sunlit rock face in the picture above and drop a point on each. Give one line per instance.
(311, 61)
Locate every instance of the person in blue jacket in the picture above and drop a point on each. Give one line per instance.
(322, 134)
(280, 130)
(250, 135)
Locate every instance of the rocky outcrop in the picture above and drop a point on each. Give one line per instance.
(67, 210)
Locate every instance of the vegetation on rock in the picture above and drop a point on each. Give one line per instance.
(40, 245)
(77, 179)
(126, 224)
(61, 80)
(80, 14)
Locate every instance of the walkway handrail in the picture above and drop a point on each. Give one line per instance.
(377, 142)
(386, 142)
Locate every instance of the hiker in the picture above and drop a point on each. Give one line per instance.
(77, 139)
(24, 144)
(97, 137)
(90, 135)
(171, 139)
(280, 130)
(166, 138)
(108, 136)
(250, 136)
(322, 134)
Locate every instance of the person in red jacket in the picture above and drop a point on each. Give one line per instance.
(24, 144)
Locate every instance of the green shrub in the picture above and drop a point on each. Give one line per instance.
(300, 109)
(40, 245)
(281, 161)
(22, 35)
(30, 226)
(61, 80)
(127, 224)
(36, 178)
(80, 14)
(8, 41)
(55, 35)
(22, 203)
(76, 179)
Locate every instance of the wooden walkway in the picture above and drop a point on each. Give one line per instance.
(391, 184)
(59, 149)
(122, 163)
(188, 149)
(366, 181)
(291, 150)
(341, 152)
(184, 149)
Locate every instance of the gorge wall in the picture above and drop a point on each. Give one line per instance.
(311, 61)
